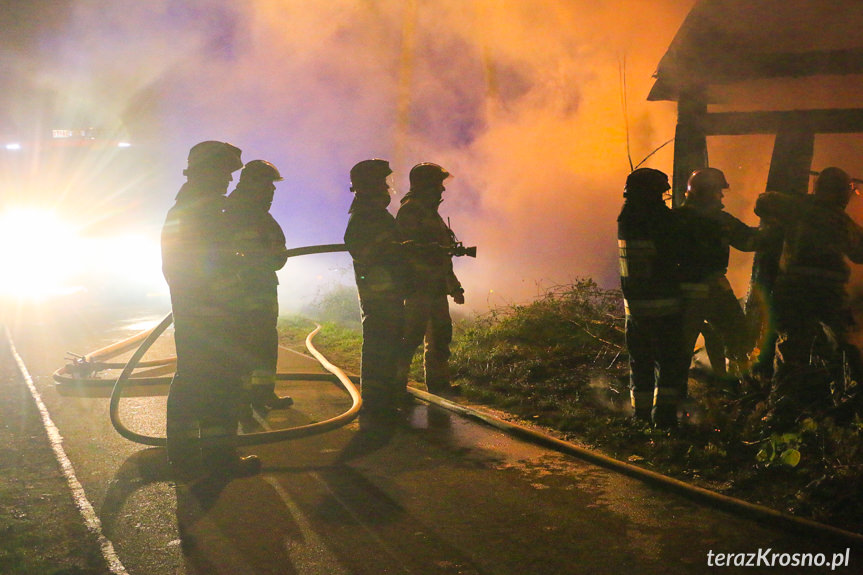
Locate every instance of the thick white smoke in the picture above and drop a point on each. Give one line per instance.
(521, 100)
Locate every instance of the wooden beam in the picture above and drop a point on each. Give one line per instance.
(839, 121)
(809, 63)
(726, 63)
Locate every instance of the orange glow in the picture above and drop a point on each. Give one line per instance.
(520, 100)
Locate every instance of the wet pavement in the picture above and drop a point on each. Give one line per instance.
(430, 492)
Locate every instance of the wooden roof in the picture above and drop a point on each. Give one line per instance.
(724, 42)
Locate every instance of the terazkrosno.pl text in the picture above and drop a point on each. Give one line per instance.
(769, 558)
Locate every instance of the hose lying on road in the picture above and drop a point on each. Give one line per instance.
(81, 371)
(717, 500)
(92, 362)
(255, 438)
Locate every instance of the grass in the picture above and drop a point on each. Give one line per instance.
(560, 362)
(341, 342)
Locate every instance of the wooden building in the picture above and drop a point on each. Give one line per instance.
(788, 68)
(792, 68)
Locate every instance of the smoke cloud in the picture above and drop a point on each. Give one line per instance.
(523, 101)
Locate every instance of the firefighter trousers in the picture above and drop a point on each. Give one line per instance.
(201, 407)
(718, 306)
(383, 325)
(257, 340)
(427, 320)
(658, 363)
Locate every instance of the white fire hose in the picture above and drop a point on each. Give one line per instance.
(71, 374)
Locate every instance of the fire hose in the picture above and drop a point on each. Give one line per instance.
(72, 374)
(148, 337)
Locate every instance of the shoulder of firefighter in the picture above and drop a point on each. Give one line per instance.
(425, 234)
(855, 240)
(417, 219)
(371, 236)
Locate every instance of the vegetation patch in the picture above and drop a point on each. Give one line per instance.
(341, 342)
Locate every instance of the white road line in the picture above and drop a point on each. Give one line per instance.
(385, 547)
(91, 519)
(310, 554)
(299, 353)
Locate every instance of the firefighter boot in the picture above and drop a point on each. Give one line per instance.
(262, 389)
(437, 375)
(664, 416)
(279, 402)
(229, 465)
(244, 466)
(642, 403)
(219, 452)
(184, 452)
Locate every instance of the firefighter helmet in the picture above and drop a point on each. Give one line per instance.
(834, 185)
(705, 186)
(212, 155)
(426, 175)
(261, 170)
(646, 184)
(369, 172)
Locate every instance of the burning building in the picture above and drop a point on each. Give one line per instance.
(782, 73)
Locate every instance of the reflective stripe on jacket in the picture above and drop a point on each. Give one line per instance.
(650, 243)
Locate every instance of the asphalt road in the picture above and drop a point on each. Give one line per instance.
(433, 494)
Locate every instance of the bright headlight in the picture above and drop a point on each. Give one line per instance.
(37, 253)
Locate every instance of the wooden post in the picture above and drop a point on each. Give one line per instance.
(793, 150)
(690, 142)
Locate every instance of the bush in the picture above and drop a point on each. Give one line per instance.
(339, 305)
(559, 339)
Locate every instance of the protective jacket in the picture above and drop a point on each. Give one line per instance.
(707, 293)
(427, 317)
(650, 240)
(650, 243)
(379, 260)
(259, 244)
(198, 264)
(381, 271)
(818, 236)
(196, 257)
(429, 240)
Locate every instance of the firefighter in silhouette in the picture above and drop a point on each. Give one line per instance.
(650, 241)
(199, 266)
(381, 271)
(429, 241)
(707, 294)
(260, 245)
(809, 296)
